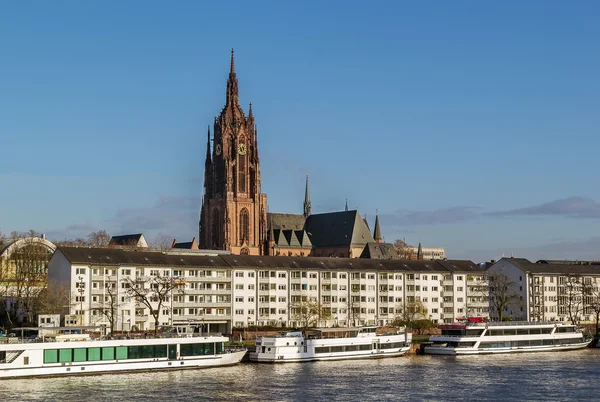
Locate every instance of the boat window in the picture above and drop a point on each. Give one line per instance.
(79, 355)
(121, 353)
(65, 355)
(108, 353)
(93, 354)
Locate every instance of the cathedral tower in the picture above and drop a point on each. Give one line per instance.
(234, 211)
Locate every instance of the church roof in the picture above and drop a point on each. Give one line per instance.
(285, 221)
(291, 238)
(381, 251)
(334, 229)
(128, 240)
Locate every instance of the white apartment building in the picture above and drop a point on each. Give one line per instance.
(429, 253)
(543, 288)
(219, 292)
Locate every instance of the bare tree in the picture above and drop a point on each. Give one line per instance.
(5, 285)
(54, 299)
(353, 309)
(161, 242)
(309, 312)
(409, 312)
(571, 296)
(502, 293)
(77, 242)
(403, 249)
(593, 305)
(153, 291)
(98, 239)
(109, 306)
(28, 265)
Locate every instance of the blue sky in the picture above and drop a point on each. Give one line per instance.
(468, 125)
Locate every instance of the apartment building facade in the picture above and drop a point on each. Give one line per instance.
(550, 291)
(219, 292)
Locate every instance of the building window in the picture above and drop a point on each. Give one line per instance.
(244, 226)
(216, 228)
(242, 166)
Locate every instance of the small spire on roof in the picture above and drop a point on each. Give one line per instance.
(377, 231)
(307, 205)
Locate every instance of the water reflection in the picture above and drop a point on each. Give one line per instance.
(527, 376)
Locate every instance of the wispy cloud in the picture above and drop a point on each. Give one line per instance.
(573, 249)
(573, 207)
(455, 214)
(175, 216)
(71, 231)
(170, 216)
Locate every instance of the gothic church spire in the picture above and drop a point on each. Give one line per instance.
(232, 84)
(208, 157)
(306, 200)
(377, 231)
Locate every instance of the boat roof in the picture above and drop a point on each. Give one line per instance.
(88, 327)
(506, 324)
(339, 329)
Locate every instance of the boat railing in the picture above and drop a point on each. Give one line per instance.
(510, 323)
(457, 336)
(52, 339)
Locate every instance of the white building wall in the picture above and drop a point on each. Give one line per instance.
(220, 297)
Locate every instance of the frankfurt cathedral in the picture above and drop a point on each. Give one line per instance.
(234, 213)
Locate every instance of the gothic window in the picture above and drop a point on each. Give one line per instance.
(241, 165)
(216, 229)
(245, 251)
(244, 226)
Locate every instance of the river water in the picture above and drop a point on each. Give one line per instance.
(556, 376)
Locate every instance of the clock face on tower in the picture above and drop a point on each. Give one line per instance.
(242, 149)
(218, 149)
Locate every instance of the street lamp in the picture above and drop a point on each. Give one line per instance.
(81, 291)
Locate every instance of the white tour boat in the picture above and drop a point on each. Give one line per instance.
(331, 344)
(77, 353)
(504, 337)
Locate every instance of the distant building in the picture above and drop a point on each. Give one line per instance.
(427, 253)
(129, 240)
(23, 274)
(549, 290)
(234, 216)
(192, 245)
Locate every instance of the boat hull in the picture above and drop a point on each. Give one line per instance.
(94, 368)
(433, 350)
(264, 358)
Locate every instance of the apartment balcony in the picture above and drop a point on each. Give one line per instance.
(211, 291)
(142, 318)
(325, 281)
(213, 304)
